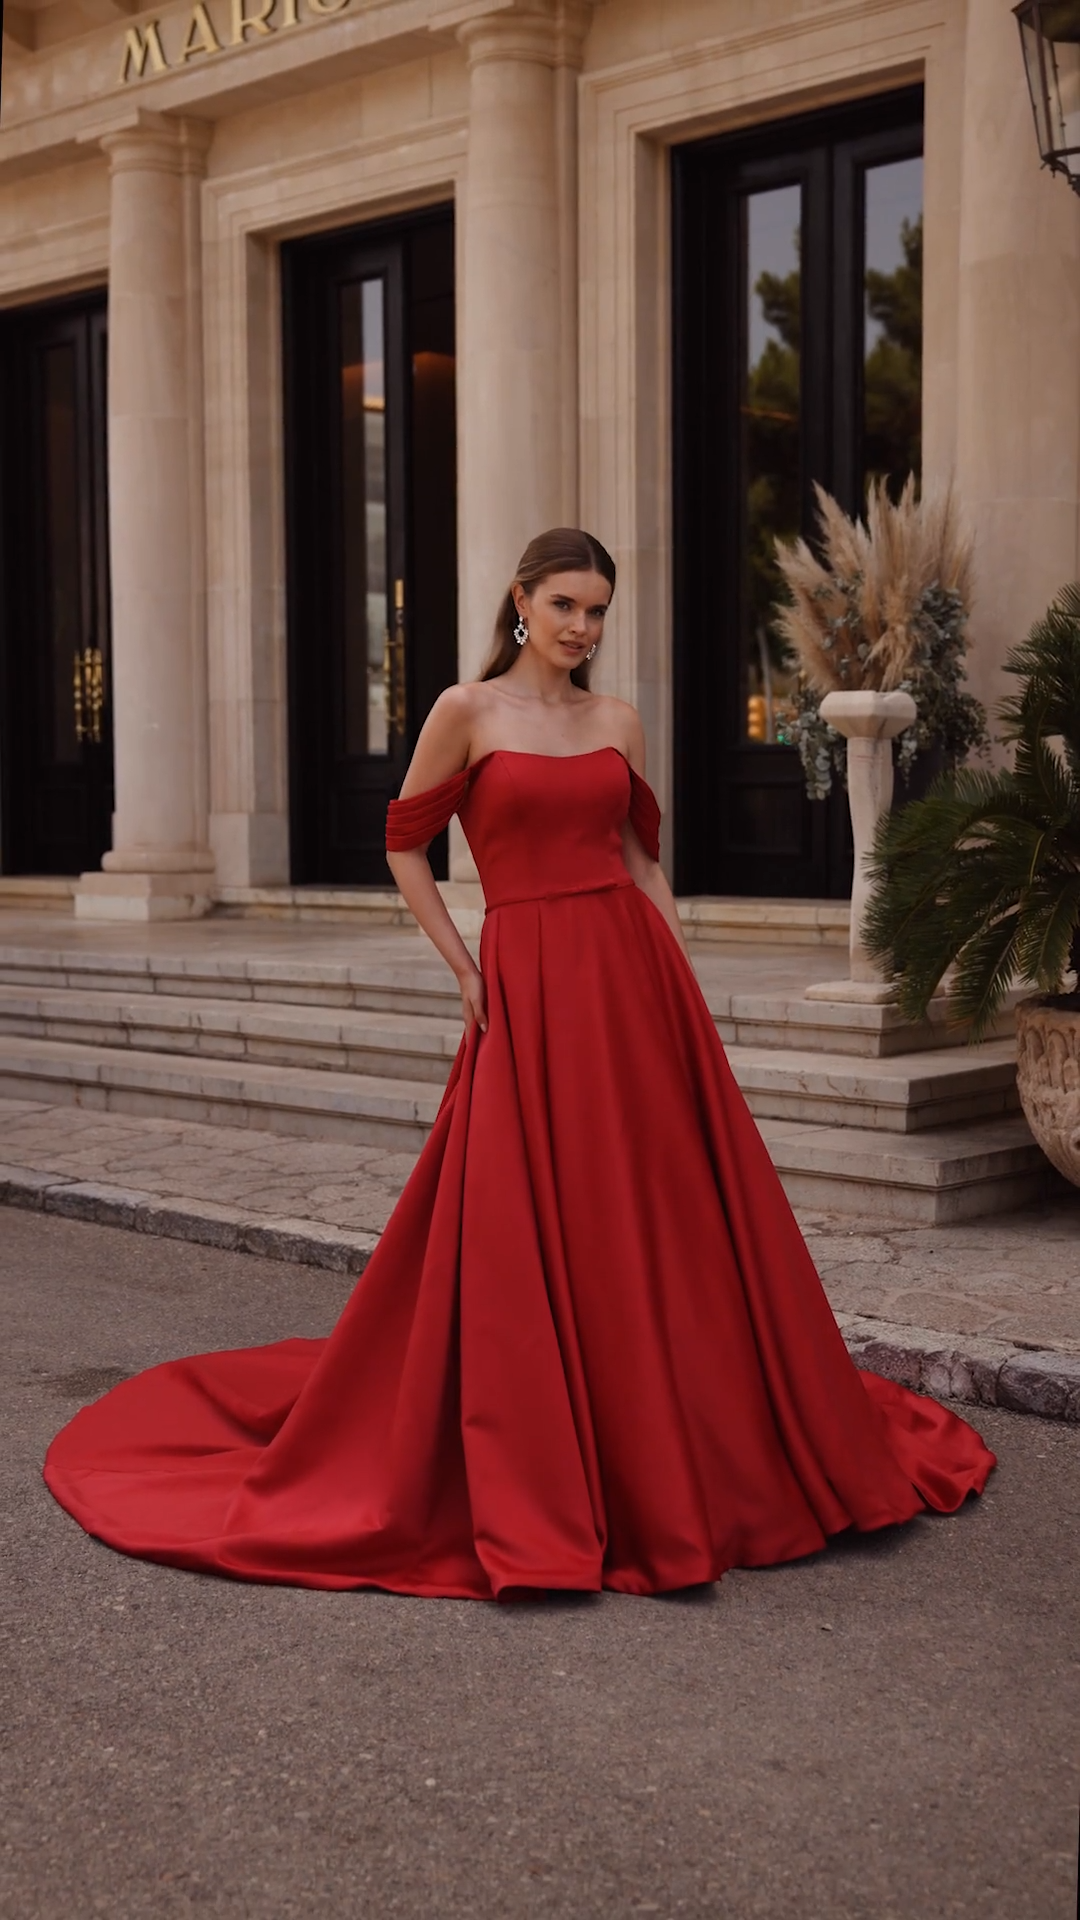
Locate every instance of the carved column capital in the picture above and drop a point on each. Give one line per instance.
(156, 143)
(550, 32)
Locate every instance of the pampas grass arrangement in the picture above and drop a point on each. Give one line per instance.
(884, 607)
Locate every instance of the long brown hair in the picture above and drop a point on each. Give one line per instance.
(560, 550)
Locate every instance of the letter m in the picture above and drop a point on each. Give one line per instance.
(138, 42)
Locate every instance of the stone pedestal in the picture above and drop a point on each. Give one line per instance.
(869, 722)
(159, 866)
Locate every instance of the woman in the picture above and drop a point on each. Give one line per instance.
(591, 1349)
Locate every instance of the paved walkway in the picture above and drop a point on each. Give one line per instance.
(884, 1731)
(988, 1311)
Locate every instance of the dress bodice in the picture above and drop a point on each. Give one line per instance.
(538, 825)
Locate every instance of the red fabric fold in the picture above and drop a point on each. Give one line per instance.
(414, 822)
(590, 1350)
(645, 814)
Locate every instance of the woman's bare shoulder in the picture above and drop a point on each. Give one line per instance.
(624, 723)
(442, 748)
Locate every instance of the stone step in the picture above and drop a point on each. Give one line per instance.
(798, 923)
(901, 1094)
(411, 982)
(871, 1032)
(907, 1093)
(304, 906)
(404, 978)
(406, 1046)
(955, 1173)
(316, 1103)
(36, 893)
(784, 923)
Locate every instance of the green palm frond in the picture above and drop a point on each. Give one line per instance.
(1043, 775)
(1043, 948)
(1048, 665)
(985, 971)
(983, 875)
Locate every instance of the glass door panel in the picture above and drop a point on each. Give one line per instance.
(771, 447)
(370, 528)
(56, 745)
(63, 678)
(798, 253)
(892, 323)
(370, 681)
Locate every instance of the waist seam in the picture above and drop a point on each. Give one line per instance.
(561, 893)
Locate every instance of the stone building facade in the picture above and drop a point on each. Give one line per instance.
(312, 312)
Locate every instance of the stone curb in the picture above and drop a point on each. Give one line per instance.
(333, 1248)
(985, 1373)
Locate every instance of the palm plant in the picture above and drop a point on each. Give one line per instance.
(984, 873)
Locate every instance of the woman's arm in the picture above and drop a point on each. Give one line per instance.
(441, 751)
(647, 873)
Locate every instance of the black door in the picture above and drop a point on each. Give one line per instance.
(370, 487)
(55, 734)
(798, 276)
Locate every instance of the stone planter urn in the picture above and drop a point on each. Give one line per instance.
(1048, 1077)
(869, 722)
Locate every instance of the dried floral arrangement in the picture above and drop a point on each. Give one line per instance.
(885, 606)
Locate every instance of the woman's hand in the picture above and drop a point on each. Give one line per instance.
(473, 1002)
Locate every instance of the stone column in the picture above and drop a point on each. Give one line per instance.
(517, 404)
(159, 866)
(1018, 444)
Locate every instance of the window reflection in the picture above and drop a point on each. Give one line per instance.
(365, 569)
(892, 327)
(770, 410)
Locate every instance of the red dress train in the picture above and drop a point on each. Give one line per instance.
(591, 1349)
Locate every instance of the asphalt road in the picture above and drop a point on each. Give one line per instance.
(886, 1731)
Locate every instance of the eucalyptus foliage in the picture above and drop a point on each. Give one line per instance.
(881, 604)
(984, 873)
(947, 715)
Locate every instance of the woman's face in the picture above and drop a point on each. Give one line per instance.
(565, 615)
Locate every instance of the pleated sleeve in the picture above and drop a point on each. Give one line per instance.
(413, 822)
(645, 814)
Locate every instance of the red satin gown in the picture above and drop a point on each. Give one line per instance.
(591, 1349)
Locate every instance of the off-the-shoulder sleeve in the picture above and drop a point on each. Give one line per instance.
(413, 822)
(645, 814)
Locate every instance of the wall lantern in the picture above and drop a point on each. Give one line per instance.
(1050, 36)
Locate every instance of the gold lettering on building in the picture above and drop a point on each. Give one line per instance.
(201, 37)
(244, 23)
(138, 42)
(147, 50)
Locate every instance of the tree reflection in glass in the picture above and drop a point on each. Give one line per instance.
(892, 336)
(770, 411)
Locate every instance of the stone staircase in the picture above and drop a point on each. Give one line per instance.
(860, 1112)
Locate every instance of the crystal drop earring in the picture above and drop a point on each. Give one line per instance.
(591, 651)
(521, 631)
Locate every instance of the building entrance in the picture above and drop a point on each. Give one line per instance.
(798, 330)
(372, 561)
(56, 770)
